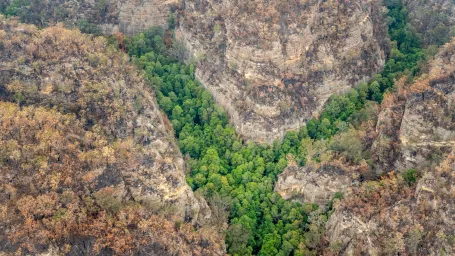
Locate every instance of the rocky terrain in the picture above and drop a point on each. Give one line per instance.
(89, 164)
(85, 153)
(108, 16)
(311, 184)
(388, 217)
(416, 124)
(405, 204)
(272, 65)
(415, 130)
(434, 19)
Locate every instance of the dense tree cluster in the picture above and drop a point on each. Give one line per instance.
(222, 166)
(432, 21)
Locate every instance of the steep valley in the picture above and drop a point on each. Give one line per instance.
(227, 127)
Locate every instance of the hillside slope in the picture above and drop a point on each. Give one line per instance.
(415, 136)
(89, 163)
(86, 154)
(416, 123)
(107, 16)
(433, 19)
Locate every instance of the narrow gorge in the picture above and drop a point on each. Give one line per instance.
(203, 127)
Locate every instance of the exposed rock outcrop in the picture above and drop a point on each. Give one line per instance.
(137, 16)
(273, 64)
(416, 127)
(389, 217)
(310, 184)
(85, 151)
(415, 130)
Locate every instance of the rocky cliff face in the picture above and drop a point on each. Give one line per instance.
(273, 64)
(137, 16)
(390, 218)
(85, 151)
(416, 126)
(415, 130)
(312, 184)
(131, 17)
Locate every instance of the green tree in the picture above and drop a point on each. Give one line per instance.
(166, 104)
(349, 145)
(237, 239)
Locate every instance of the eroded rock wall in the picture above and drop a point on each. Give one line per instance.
(415, 130)
(314, 184)
(416, 125)
(136, 16)
(273, 64)
(390, 217)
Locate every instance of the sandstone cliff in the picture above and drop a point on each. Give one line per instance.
(85, 152)
(310, 184)
(273, 64)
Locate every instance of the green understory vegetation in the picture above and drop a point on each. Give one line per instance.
(239, 177)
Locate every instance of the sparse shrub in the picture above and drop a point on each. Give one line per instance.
(88, 28)
(107, 201)
(349, 145)
(410, 176)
